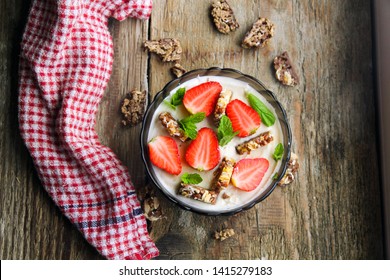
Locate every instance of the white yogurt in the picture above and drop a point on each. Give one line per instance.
(238, 198)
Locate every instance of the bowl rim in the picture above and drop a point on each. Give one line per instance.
(246, 206)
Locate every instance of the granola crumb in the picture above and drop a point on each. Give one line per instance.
(223, 17)
(285, 71)
(152, 209)
(178, 70)
(168, 49)
(150, 203)
(224, 234)
(259, 35)
(292, 168)
(225, 196)
(133, 107)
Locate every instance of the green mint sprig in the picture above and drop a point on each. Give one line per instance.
(278, 153)
(176, 99)
(225, 131)
(191, 179)
(188, 124)
(267, 117)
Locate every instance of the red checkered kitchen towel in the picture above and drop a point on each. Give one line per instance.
(65, 64)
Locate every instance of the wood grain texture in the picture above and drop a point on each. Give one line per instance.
(333, 209)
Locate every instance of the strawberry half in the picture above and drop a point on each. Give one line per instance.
(248, 173)
(244, 119)
(203, 152)
(164, 153)
(202, 98)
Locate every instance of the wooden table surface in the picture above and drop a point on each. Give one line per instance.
(332, 211)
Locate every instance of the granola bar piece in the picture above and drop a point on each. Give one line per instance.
(225, 174)
(133, 107)
(172, 126)
(224, 234)
(285, 72)
(292, 168)
(220, 108)
(223, 17)
(259, 141)
(168, 49)
(259, 35)
(178, 70)
(198, 193)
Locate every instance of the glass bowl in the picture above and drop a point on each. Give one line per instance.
(222, 72)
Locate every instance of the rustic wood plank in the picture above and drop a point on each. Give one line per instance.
(331, 212)
(129, 73)
(322, 211)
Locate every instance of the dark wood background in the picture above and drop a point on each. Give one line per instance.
(333, 209)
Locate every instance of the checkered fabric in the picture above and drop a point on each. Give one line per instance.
(65, 64)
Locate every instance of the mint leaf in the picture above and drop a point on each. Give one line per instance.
(192, 179)
(195, 118)
(225, 131)
(275, 177)
(176, 99)
(267, 117)
(225, 127)
(189, 129)
(226, 139)
(278, 153)
(166, 102)
(188, 124)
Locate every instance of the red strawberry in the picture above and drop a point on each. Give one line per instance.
(248, 173)
(202, 98)
(164, 153)
(203, 152)
(244, 119)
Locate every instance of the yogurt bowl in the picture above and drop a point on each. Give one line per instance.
(229, 200)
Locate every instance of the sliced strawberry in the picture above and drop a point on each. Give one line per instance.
(203, 152)
(244, 119)
(202, 98)
(164, 153)
(248, 173)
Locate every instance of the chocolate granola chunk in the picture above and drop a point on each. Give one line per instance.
(150, 203)
(223, 17)
(285, 72)
(133, 107)
(168, 49)
(152, 209)
(178, 70)
(259, 141)
(259, 35)
(172, 126)
(292, 168)
(220, 107)
(225, 171)
(198, 193)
